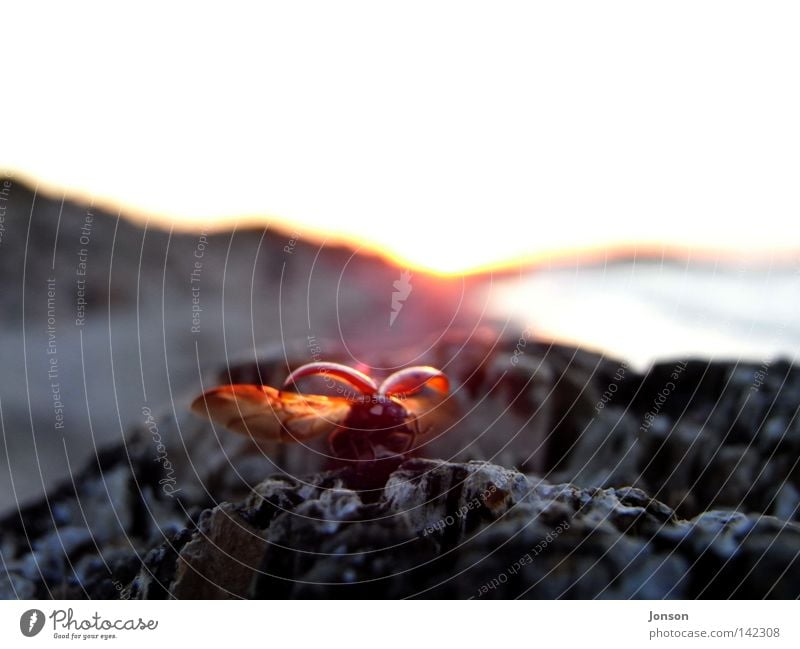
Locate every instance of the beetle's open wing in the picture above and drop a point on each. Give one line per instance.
(418, 388)
(262, 412)
(357, 382)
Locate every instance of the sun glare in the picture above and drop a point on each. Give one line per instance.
(477, 157)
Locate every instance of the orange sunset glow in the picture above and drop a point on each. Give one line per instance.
(448, 161)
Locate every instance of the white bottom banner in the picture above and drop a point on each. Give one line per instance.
(372, 624)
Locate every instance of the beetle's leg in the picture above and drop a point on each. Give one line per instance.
(373, 454)
(332, 441)
(355, 449)
(414, 429)
(339, 446)
(418, 433)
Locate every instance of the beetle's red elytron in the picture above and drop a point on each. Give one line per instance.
(364, 421)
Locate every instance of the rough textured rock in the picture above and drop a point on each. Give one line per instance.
(554, 486)
(441, 529)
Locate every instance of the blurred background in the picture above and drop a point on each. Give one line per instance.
(182, 190)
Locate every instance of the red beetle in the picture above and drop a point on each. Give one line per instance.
(365, 421)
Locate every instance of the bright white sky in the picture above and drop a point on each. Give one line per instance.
(453, 135)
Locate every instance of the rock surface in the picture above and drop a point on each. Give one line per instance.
(562, 474)
(436, 529)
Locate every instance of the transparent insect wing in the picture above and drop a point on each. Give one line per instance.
(262, 412)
